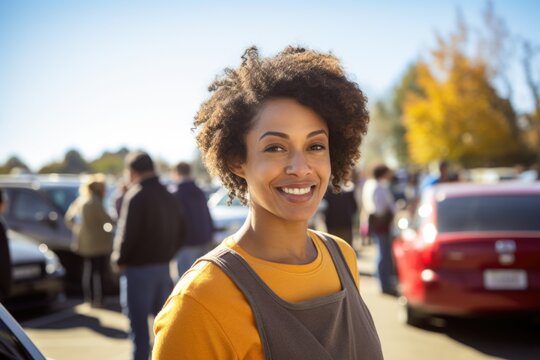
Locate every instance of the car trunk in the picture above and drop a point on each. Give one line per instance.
(491, 261)
(490, 241)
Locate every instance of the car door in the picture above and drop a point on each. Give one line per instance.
(32, 214)
(14, 343)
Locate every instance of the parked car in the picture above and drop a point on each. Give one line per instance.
(227, 219)
(14, 343)
(471, 249)
(37, 274)
(36, 208)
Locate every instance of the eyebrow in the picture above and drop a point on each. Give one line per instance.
(285, 136)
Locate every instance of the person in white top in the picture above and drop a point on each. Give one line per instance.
(380, 223)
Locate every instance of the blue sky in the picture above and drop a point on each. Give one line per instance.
(98, 75)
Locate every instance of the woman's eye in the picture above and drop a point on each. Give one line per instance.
(274, 148)
(317, 147)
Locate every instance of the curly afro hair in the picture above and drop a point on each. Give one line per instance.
(313, 79)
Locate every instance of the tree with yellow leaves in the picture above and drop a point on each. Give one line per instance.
(459, 115)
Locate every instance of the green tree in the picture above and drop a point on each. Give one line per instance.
(52, 167)
(377, 145)
(14, 163)
(385, 141)
(110, 162)
(73, 163)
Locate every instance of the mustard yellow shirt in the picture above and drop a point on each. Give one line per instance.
(208, 317)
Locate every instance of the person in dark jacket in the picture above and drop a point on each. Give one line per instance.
(150, 232)
(5, 258)
(339, 213)
(198, 220)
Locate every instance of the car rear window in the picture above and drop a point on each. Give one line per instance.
(489, 213)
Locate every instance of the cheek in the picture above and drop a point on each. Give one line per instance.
(325, 167)
(261, 173)
(255, 169)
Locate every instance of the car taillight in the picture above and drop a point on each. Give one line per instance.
(428, 246)
(430, 256)
(429, 233)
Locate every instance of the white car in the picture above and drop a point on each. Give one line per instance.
(227, 219)
(37, 274)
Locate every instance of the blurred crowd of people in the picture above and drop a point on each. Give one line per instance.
(154, 226)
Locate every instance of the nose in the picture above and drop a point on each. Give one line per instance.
(298, 165)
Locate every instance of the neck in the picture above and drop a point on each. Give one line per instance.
(183, 178)
(275, 240)
(96, 195)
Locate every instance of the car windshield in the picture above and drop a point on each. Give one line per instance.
(62, 197)
(489, 213)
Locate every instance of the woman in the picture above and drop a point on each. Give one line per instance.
(274, 131)
(93, 239)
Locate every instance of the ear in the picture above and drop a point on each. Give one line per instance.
(237, 168)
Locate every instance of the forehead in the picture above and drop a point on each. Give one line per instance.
(287, 116)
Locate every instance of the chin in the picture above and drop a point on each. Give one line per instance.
(299, 216)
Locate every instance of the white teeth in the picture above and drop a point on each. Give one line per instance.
(296, 191)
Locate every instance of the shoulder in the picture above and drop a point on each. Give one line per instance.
(207, 302)
(345, 248)
(93, 203)
(201, 282)
(349, 254)
(197, 290)
(209, 285)
(83, 204)
(134, 191)
(134, 194)
(180, 187)
(191, 325)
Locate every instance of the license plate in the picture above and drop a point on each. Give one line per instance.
(26, 272)
(505, 279)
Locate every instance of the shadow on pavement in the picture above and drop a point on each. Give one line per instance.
(505, 338)
(73, 317)
(89, 322)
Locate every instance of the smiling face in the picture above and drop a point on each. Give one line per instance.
(287, 164)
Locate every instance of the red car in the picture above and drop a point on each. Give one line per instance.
(471, 249)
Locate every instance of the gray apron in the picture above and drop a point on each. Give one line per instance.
(337, 326)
